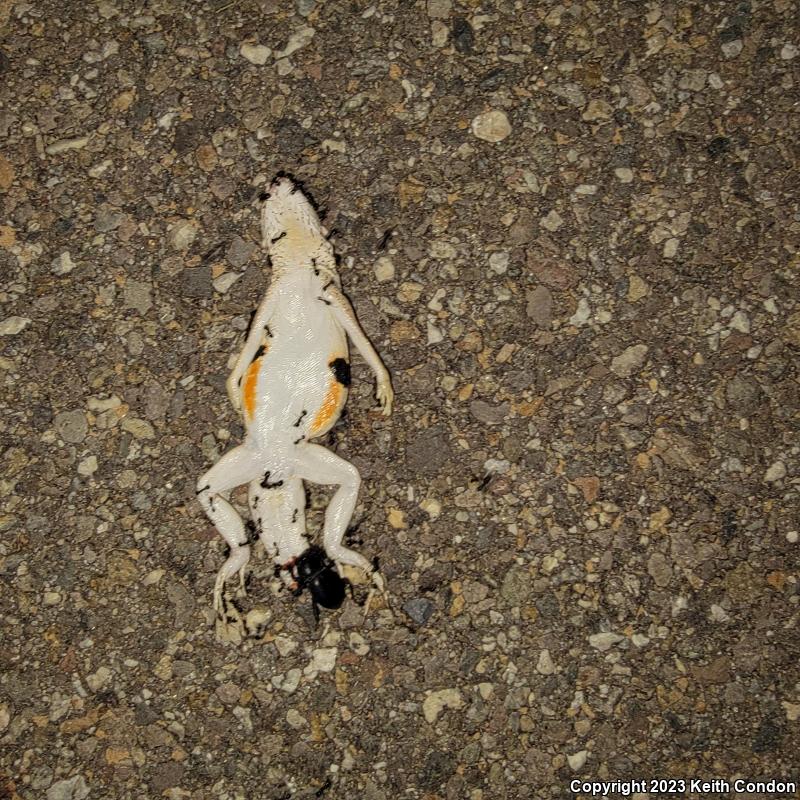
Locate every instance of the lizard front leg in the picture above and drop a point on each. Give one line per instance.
(346, 317)
(257, 338)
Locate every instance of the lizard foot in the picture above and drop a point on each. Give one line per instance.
(229, 624)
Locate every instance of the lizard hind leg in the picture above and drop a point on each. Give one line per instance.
(236, 467)
(318, 465)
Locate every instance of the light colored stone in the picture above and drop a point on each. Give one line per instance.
(498, 262)
(440, 33)
(257, 54)
(660, 569)
(64, 145)
(295, 718)
(552, 221)
(437, 701)
(719, 614)
(630, 360)
(74, 788)
(740, 322)
(439, 9)
(138, 428)
(62, 264)
(624, 174)
(225, 281)
(582, 314)
(637, 289)
(491, 126)
(71, 426)
(11, 326)
(100, 679)
(88, 466)
(291, 681)
(322, 660)
(605, 641)
(776, 472)
(693, 80)
(670, 248)
(181, 235)
(732, 49)
(136, 295)
(545, 665)
(577, 760)
(789, 51)
(384, 269)
(597, 110)
(297, 41)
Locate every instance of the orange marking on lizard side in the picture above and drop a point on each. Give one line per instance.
(330, 406)
(250, 382)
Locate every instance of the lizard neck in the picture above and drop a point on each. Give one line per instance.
(285, 259)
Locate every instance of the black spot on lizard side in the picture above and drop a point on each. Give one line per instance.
(341, 371)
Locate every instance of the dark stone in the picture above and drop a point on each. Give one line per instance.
(743, 395)
(145, 715)
(718, 146)
(188, 135)
(419, 609)
(429, 451)
(463, 37)
(140, 111)
(731, 33)
(154, 43)
(493, 79)
(5, 62)
(166, 776)
(239, 252)
(437, 768)
(196, 281)
(768, 737)
(291, 138)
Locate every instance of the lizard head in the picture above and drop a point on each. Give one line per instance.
(290, 225)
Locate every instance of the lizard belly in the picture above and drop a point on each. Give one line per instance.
(297, 386)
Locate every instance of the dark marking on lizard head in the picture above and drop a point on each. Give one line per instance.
(341, 371)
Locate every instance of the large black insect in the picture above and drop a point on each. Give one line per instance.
(313, 570)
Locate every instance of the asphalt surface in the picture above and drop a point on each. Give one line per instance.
(571, 230)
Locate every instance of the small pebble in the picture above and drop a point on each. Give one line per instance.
(776, 472)
(552, 221)
(384, 269)
(624, 174)
(789, 51)
(491, 126)
(181, 235)
(11, 326)
(88, 466)
(419, 609)
(64, 145)
(577, 760)
(257, 54)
